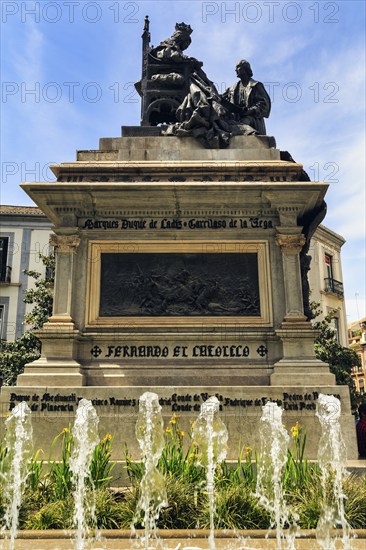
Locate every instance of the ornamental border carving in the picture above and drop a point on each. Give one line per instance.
(97, 247)
(230, 212)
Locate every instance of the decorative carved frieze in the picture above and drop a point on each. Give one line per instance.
(65, 244)
(291, 244)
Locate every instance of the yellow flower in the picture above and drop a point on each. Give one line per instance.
(107, 438)
(295, 430)
(248, 449)
(173, 419)
(65, 431)
(182, 434)
(168, 430)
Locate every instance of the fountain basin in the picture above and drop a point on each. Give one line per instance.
(177, 539)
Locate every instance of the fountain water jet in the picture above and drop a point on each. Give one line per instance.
(210, 434)
(273, 457)
(150, 436)
(86, 438)
(332, 456)
(18, 442)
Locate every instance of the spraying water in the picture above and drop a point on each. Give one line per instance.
(18, 442)
(273, 457)
(211, 435)
(85, 435)
(150, 436)
(332, 457)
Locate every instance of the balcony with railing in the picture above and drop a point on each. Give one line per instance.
(333, 286)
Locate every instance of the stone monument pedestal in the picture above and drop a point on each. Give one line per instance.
(178, 271)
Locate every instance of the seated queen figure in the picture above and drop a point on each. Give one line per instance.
(200, 114)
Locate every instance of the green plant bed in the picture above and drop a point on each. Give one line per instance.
(48, 500)
(236, 507)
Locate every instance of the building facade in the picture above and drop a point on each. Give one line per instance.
(357, 342)
(326, 279)
(24, 235)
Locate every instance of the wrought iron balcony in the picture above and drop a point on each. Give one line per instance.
(331, 285)
(5, 275)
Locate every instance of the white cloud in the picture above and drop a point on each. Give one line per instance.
(27, 53)
(348, 197)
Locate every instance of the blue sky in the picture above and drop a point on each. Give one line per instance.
(68, 69)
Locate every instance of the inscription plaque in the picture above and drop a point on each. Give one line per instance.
(179, 284)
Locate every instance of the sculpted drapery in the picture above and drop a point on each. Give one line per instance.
(254, 102)
(204, 113)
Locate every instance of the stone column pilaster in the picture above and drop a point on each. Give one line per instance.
(65, 250)
(58, 364)
(291, 245)
(297, 335)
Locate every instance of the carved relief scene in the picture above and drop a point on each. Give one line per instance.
(179, 284)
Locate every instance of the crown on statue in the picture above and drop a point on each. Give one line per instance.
(182, 27)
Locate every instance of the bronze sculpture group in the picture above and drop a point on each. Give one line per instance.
(189, 101)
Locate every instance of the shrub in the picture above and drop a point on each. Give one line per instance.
(52, 515)
(237, 508)
(101, 466)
